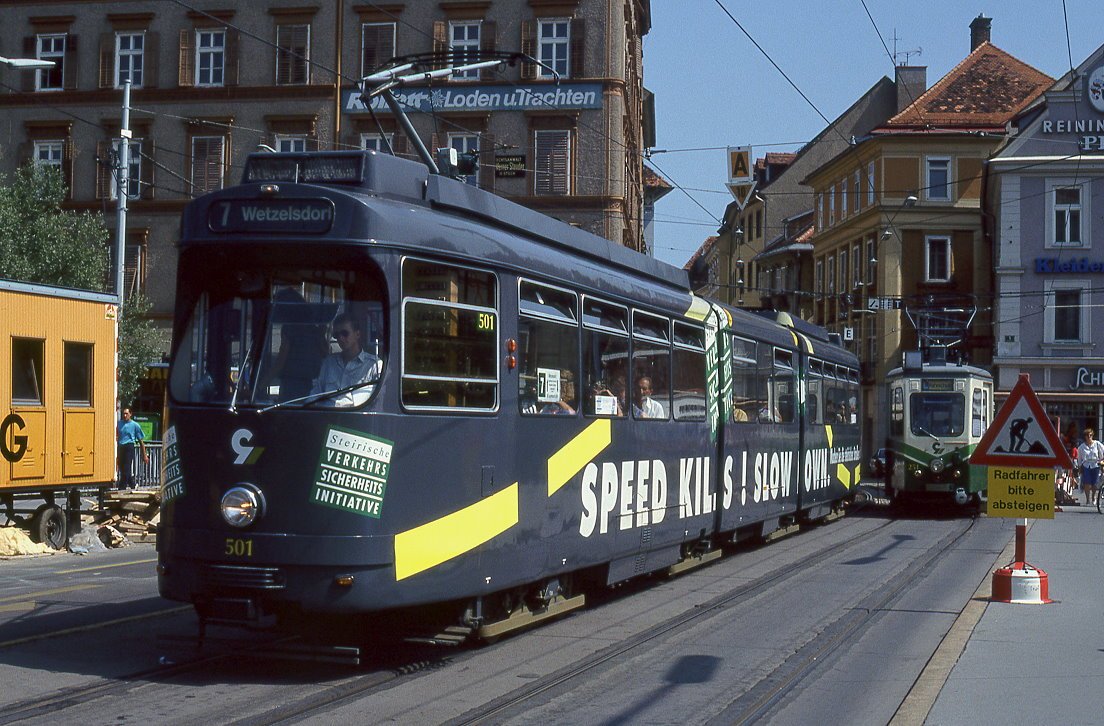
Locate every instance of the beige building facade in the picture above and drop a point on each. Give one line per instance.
(212, 82)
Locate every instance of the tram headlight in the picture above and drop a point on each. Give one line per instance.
(937, 466)
(242, 505)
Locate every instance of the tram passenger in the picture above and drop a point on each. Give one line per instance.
(644, 406)
(349, 366)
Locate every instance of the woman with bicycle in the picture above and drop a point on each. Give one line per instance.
(1089, 455)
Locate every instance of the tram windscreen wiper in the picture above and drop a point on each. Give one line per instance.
(325, 395)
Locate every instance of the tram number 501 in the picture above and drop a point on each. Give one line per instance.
(239, 547)
(486, 321)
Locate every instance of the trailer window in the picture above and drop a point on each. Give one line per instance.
(450, 337)
(748, 393)
(27, 365)
(78, 374)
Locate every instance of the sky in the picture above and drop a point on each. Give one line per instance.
(714, 88)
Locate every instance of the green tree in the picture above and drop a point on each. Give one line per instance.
(139, 344)
(40, 242)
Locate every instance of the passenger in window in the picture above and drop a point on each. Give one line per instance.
(768, 415)
(348, 367)
(644, 406)
(566, 405)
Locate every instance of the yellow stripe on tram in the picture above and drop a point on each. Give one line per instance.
(577, 453)
(426, 546)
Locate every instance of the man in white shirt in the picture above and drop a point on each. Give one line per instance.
(645, 406)
(349, 366)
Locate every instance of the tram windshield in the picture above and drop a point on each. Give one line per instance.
(937, 414)
(282, 337)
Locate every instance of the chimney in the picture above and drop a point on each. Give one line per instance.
(911, 82)
(980, 30)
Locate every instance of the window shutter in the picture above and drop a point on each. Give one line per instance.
(186, 77)
(29, 51)
(529, 48)
(440, 43)
(379, 46)
(302, 47)
(487, 162)
(231, 58)
(107, 60)
(71, 72)
(487, 44)
(149, 60)
(578, 48)
(103, 169)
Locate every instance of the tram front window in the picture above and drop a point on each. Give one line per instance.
(937, 414)
(294, 337)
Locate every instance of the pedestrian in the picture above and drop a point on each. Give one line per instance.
(128, 434)
(1089, 455)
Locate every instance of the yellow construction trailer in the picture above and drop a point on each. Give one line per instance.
(57, 403)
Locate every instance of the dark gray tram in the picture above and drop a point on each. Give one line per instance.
(528, 410)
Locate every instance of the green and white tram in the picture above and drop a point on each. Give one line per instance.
(938, 412)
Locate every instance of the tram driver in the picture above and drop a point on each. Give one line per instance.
(347, 367)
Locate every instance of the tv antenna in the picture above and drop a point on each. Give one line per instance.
(906, 53)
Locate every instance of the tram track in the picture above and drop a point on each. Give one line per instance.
(318, 703)
(405, 666)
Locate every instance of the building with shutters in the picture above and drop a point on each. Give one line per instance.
(214, 81)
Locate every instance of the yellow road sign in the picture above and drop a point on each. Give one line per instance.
(1021, 492)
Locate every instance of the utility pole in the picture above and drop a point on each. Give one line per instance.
(121, 195)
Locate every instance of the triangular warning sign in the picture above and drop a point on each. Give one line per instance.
(741, 193)
(1022, 434)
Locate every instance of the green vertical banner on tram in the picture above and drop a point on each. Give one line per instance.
(718, 367)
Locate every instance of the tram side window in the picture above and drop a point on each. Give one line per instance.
(548, 350)
(783, 387)
(814, 392)
(651, 367)
(689, 373)
(897, 411)
(979, 412)
(28, 355)
(746, 394)
(450, 337)
(605, 357)
(78, 374)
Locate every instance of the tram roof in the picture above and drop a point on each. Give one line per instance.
(370, 172)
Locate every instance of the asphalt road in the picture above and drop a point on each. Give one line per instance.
(832, 625)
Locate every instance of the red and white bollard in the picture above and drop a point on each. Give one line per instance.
(1020, 582)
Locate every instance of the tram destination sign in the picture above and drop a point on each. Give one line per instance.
(273, 216)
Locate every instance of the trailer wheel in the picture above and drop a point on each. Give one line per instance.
(48, 526)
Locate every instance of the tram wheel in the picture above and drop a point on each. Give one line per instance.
(48, 526)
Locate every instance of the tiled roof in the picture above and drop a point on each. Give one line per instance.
(984, 91)
(702, 252)
(654, 180)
